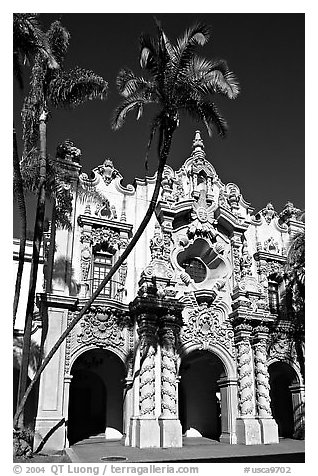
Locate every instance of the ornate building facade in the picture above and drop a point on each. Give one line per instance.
(192, 336)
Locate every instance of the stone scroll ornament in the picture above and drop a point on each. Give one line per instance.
(147, 369)
(168, 374)
(244, 367)
(262, 379)
(100, 327)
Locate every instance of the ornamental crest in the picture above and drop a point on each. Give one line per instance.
(203, 218)
(101, 327)
(269, 213)
(205, 327)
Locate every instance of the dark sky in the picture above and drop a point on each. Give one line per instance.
(264, 151)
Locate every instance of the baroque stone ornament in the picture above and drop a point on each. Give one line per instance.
(289, 213)
(245, 261)
(148, 345)
(168, 369)
(85, 262)
(282, 345)
(103, 235)
(107, 171)
(205, 327)
(245, 374)
(160, 244)
(67, 150)
(268, 213)
(203, 222)
(271, 246)
(236, 245)
(262, 375)
(101, 327)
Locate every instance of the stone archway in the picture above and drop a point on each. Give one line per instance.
(283, 379)
(96, 396)
(199, 394)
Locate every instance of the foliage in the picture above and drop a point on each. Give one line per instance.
(17, 353)
(179, 82)
(28, 41)
(56, 87)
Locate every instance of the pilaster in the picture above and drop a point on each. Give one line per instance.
(228, 390)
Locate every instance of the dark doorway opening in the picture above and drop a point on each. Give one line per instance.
(281, 377)
(199, 395)
(96, 396)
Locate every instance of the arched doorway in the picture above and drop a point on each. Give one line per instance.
(199, 394)
(281, 377)
(96, 396)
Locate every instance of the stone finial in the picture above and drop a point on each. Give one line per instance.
(269, 212)
(67, 150)
(289, 213)
(107, 171)
(198, 142)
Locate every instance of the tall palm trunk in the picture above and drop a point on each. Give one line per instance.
(23, 223)
(37, 239)
(162, 161)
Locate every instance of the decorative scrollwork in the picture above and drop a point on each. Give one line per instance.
(103, 327)
(205, 327)
(244, 368)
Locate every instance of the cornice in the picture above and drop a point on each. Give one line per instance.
(266, 256)
(96, 221)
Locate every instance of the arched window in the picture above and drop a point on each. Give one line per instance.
(195, 268)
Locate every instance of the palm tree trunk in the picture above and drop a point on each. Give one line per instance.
(37, 239)
(23, 223)
(162, 162)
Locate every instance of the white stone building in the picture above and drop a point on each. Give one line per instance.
(192, 336)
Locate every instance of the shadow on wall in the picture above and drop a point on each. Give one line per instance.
(63, 273)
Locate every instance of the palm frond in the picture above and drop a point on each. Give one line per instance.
(197, 34)
(74, 87)
(136, 100)
(58, 38)
(212, 77)
(28, 41)
(127, 83)
(148, 52)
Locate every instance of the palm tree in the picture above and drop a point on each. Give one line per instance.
(180, 81)
(49, 88)
(28, 41)
(295, 279)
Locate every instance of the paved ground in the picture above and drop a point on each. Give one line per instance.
(194, 449)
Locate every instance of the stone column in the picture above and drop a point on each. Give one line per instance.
(67, 384)
(269, 428)
(147, 428)
(170, 426)
(228, 390)
(248, 427)
(298, 399)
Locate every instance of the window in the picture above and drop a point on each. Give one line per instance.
(102, 265)
(196, 269)
(273, 297)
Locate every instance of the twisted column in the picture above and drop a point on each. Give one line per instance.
(245, 372)
(261, 373)
(168, 370)
(147, 331)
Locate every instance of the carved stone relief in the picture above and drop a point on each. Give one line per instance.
(205, 327)
(102, 327)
